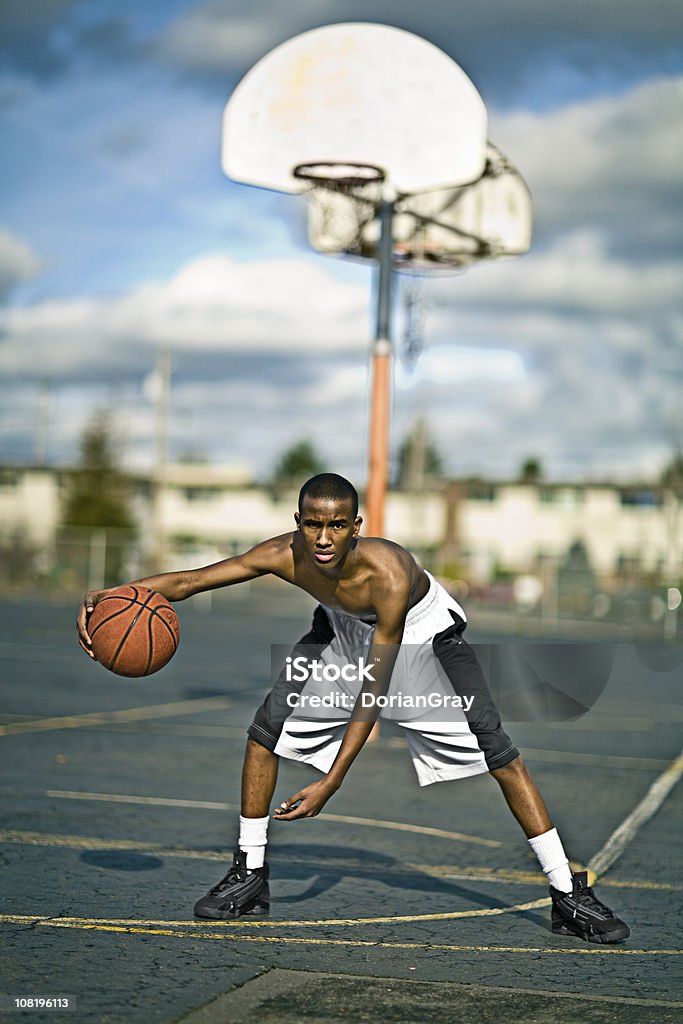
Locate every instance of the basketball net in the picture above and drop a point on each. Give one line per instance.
(343, 199)
(414, 304)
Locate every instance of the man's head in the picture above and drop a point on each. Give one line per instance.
(331, 487)
(328, 518)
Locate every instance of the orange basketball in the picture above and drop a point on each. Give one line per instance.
(134, 631)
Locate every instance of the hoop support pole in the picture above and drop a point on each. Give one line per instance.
(381, 379)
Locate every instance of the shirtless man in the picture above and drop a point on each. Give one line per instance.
(371, 592)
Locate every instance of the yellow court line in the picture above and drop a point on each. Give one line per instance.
(94, 718)
(609, 853)
(455, 871)
(152, 801)
(639, 816)
(67, 842)
(131, 928)
(267, 923)
(516, 877)
(76, 842)
(344, 819)
(594, 760)
(25, 838)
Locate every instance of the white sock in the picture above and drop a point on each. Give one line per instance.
(553, 860)
(253, 840)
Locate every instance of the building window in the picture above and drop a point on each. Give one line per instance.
(641, 498)
(9, 480)
(200, 493)
(481, 491)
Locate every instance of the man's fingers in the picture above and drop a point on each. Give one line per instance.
(294, 812)
(83, 630)
(86, 649)
(81, 622)
(288, 805)
(289, 808)
(83, 635)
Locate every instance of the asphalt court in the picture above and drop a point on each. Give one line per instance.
(120, 804)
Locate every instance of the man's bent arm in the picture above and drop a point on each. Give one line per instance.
(382, 657)
(381, 660)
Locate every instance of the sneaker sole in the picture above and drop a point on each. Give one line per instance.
(252, 908)
(617, 934)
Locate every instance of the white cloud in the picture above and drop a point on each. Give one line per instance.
(613, 162)
(208, 38)
(215, 303)
(573, 352)
(578, 273)
(18, 262)
(215, 37)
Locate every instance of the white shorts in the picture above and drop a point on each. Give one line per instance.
(435, 677)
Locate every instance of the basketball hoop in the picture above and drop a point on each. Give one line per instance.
(343, 202)
(339, 176)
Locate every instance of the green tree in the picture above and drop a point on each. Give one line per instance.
(97, 495)
(577, 581)
(531, 470)
(418, 460)
(296, 464)
(672, 475)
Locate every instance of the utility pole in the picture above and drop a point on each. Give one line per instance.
(43, 423)
(162, 399)
(381, 375)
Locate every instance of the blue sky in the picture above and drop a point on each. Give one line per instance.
(118, 233)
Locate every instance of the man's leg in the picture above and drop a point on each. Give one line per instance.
(244, 889)
(526, 803)
(523, 797)
(576, 911)
(259, 775)
(503, 760)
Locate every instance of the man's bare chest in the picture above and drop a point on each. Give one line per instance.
(353, 597)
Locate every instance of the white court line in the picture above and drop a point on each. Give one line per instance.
(605, 857)
(154, 801)
(630, 826)
(344, 819)
(136, 714)
(610, 852)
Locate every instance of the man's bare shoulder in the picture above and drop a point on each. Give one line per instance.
(273, 555)
(389, 563)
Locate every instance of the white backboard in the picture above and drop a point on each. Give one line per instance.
(356, 92)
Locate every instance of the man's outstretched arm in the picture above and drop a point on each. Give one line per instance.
(260, 560)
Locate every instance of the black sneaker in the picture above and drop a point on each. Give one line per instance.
(240, 892)
(579, 913)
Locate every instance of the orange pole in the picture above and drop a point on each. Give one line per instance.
(379, 437)
(381, 378)
(381, 387)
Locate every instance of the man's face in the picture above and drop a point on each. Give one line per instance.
(328, 529)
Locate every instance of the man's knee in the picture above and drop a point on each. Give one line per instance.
(258, 750)
(513, 769)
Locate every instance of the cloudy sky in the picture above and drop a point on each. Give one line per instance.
(119, 234)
